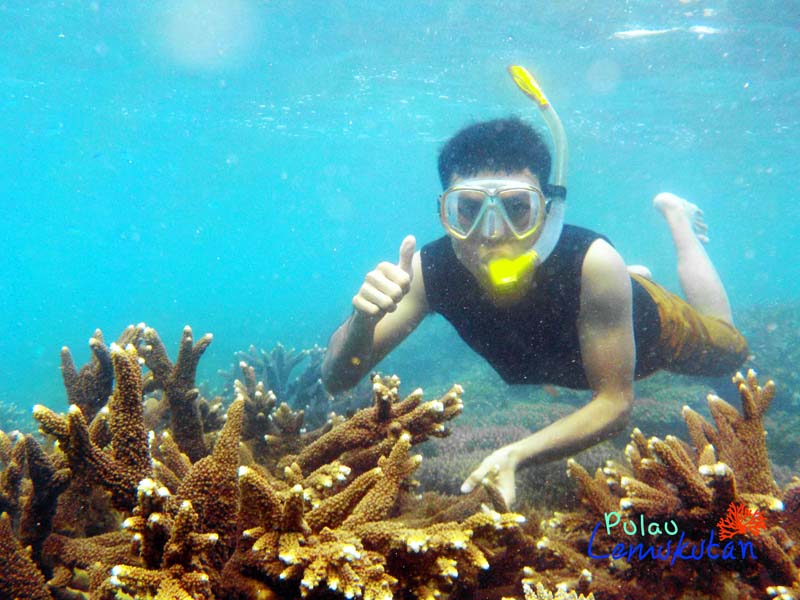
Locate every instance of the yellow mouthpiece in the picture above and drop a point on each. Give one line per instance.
(506, 273)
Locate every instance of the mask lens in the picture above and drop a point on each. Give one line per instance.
(521, 208)
(462, 209)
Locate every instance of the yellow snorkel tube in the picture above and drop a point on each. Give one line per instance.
(507, 274)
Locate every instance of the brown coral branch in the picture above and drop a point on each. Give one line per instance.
(129, 461)
(90, 387)
(19, 575)
(40, 507)
(212, 483)
(178, 382)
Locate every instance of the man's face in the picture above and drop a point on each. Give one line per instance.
(492, 239)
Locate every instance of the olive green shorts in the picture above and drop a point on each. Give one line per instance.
(691, 343)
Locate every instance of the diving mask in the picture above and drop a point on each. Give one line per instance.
(490, 205)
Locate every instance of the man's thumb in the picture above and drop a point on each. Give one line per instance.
(407, 253)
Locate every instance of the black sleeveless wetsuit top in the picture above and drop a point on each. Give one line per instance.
(536, 339)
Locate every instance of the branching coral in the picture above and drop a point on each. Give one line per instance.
(333, 512)
(19, 575)
(177, 382)
(89, 388)
(330, 513)
(279, 371)
(365, 436)
(543, 594)
(128, 462)
(694, 487)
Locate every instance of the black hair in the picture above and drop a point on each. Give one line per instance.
(504, 145)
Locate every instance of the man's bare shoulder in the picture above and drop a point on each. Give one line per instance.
(604, 277)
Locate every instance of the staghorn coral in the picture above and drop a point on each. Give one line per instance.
(365, 435)
(344, 542)
(89, 388)
(694, 486)
(19, 575)
(275, 369)
(128, 462)
(11, 480)
(543, 594)
(739, 439)
(177, 382)
(334, 512)
(48, 481)
(299, 524)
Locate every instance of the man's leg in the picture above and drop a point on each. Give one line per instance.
(700, 281)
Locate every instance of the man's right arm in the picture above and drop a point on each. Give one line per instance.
(389, 305)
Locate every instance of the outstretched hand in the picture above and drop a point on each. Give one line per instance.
(499, 468)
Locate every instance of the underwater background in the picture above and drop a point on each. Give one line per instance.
(240, 166)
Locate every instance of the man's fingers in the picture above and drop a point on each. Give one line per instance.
(478, 475)
(366, 307)
(375, 296)
(472, 481)
(507, 486)
(384, 284)
(407, 248)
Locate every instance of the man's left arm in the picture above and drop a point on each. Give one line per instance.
(605, 329)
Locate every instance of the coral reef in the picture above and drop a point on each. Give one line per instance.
(255, 503)
(672, 500)
(325, 513)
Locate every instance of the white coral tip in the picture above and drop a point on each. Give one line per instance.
(349, 552)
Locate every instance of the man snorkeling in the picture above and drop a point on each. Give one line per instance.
(542, 302)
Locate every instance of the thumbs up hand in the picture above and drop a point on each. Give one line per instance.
(386, 285)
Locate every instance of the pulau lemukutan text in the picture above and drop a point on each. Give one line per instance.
(680, 551)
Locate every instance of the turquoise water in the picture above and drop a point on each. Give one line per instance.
(238, 166)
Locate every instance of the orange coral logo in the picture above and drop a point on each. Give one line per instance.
(740, 520)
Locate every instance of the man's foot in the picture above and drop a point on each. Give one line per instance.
(681, 213)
